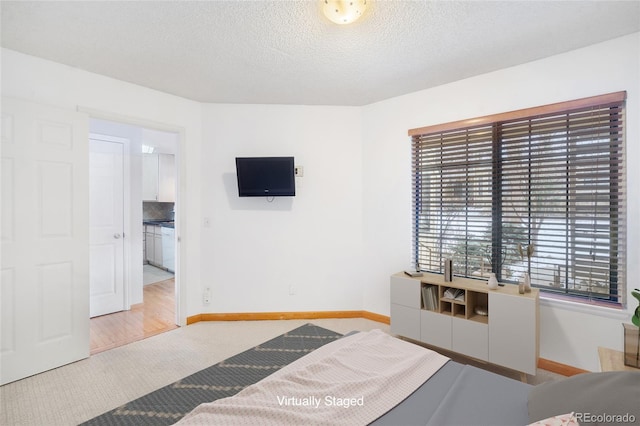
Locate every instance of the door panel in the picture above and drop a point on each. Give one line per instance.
(45, 239)
(7, 304)
(106, 226)
(8, 172)
(55, 193)
(103, 279)
(54, 285)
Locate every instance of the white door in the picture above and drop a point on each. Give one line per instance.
(106, 221)
(45, 239)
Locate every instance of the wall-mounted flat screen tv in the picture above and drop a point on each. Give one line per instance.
(265, 176)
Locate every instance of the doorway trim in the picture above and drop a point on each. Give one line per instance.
(126, 206)
(180, 203)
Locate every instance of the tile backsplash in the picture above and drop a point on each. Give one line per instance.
(152, 210)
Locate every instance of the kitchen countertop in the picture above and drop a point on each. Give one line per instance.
(163, 223)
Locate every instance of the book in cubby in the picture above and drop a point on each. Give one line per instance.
(453, 293)
(430, 297)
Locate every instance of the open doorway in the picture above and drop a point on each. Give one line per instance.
(147, 299)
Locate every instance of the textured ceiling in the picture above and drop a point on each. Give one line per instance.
(287, 52)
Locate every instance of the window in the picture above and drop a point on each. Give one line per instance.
(551, 177)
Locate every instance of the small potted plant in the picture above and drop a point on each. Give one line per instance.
(632, 336)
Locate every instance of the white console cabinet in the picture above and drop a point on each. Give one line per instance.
(498, 326)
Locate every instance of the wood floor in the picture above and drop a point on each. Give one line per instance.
(156, 315)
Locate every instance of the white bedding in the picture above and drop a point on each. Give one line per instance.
(351, 381)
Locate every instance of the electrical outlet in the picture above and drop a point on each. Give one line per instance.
(299, 171)
(292, 290)
(206, 296)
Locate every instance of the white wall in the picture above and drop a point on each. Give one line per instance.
(567, 335)
(37, 80)
(255, 250)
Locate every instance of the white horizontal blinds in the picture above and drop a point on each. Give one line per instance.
(452, 200)
(562, 185)
(551, 176)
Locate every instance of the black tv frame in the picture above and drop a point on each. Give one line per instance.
(266, 176)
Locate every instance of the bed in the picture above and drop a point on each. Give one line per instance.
(374, 378)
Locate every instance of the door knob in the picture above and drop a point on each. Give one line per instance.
(116, 236)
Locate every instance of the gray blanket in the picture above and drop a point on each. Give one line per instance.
(463, 395)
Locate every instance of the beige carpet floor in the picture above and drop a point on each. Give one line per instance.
(80, 391)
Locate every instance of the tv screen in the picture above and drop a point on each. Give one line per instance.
(265, 176)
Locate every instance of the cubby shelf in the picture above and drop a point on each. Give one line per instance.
(465, 308)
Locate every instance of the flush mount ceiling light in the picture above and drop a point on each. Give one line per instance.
(343, 11)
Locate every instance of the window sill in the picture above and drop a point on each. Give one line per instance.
(616, 313)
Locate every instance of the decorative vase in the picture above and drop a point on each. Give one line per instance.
(493, 281)
(526, 281)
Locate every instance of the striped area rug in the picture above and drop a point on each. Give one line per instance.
(169, 404)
